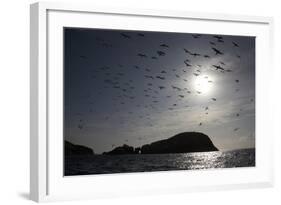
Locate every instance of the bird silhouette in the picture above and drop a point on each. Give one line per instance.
(196, 35)
(217, 52)
(161, 53)
(125, 35)
(149, 76)
(176, 88)
(214, 99)
(164, 46)
(235, 44)
(195, 54)
(142, 55)
(218, 37)
(187, 51)
(218, 67)
(187, 64)
(160, 77)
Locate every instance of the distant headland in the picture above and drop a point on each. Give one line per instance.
(72, 149)
(185, 142)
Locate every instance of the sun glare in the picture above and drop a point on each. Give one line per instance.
(203, 84)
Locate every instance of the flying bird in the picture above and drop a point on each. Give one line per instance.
(218, 37)
(125, 35)
(214, 99)
(161, 53)
(196, 35)
(187, 51)
(217, 52)
(149, 76)
(142, 55)
(235, 44)
(195, 54)
(177, 88)
(164, 45)
(160, 77)
(218, 67)
(187, 64)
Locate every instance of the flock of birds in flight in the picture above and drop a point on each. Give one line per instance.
(155, 83)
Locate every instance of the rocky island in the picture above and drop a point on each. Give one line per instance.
(181, 143)
(72, 149)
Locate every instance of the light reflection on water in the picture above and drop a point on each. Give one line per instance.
(103, 164)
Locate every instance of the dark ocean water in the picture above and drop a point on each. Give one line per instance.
(105, 164)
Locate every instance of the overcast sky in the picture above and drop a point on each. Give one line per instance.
(119, 89)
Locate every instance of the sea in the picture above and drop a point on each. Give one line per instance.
(109, 164)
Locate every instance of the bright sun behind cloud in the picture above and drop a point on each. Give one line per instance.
(203, 85)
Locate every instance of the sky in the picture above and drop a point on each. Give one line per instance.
(137, 87)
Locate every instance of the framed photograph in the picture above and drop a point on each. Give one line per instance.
(127, 102)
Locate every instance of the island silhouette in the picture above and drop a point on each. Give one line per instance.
(185, 142)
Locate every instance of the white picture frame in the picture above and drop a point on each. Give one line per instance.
(47, 182)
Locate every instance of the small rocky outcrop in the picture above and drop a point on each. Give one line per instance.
(125, 149)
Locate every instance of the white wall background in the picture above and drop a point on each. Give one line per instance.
(14, 101)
